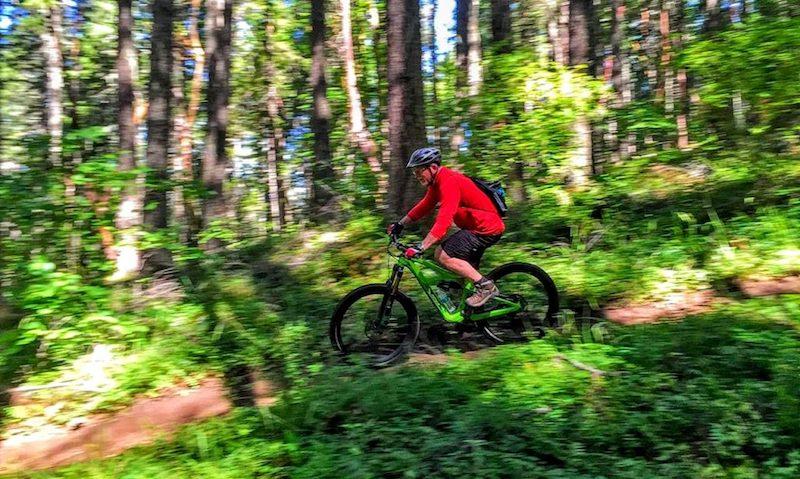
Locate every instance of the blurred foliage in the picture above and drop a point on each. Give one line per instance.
(714, 396)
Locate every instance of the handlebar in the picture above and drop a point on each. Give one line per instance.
(394, 242)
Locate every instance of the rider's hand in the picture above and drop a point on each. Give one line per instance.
(395, 229)
(413, 252)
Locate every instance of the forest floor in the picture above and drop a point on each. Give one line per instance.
(151, 419)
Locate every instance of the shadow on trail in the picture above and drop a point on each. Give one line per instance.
(263, 322)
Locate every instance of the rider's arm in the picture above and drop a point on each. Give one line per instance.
(450, 198)
(421, 209)
(429, 241)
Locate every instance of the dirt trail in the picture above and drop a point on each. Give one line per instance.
(681, 305)
(144, 422)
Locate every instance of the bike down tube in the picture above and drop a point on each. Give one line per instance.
(456, 316)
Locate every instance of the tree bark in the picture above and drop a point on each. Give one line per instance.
(581, 52)
(54, 79)
(74, 25)
(501, 23)
(468, 45)
(72, 68)
(406, 108)
(561, 49)
(158, 127)
(665, 78)
(617, 60)
(274, 137)
(218, 21)
(321, 114)
(374, 18)
(274, 184)
(462, 40)
(184, 125)
(129, 214)
(359, 134)
(681, 82)
(714, 19)
(474, 70)
(126, 70)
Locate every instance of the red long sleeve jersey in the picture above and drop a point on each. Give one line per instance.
(460, 202)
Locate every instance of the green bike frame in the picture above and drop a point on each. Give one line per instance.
(429, 274)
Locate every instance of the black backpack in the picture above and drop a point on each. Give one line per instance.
(494, 190)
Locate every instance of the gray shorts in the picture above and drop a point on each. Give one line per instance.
(468, 246)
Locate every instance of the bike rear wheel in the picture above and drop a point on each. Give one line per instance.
(358, 329)
(529, 286)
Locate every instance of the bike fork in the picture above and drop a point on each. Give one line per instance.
(388, 299)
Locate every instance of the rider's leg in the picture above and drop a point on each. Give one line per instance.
(456, 265)
(461, 253)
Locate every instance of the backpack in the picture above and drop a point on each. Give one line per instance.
(494, 190)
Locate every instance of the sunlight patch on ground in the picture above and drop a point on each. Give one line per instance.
(330, 237)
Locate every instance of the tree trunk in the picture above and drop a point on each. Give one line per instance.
(374, 18)
(184, 122)
(474, 70)
(681, 82)
(517, 183)
(215, 158)
(274, 137)
(561, 49)
(128, 216)
(665, 76)
(501, 23)
(126, 71)
(74, 25)
(2, 132)
(158, 128)
(462, 40)
(359, 134)
(274, 133)
(714, 19)
(406, 108)
(581, 52)
(54, 79)
(618, 79)
(321, 114)
(468, 44)
(75, 223)
(682, 121)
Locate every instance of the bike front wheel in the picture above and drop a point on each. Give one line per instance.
(529, 286)
(359, 329)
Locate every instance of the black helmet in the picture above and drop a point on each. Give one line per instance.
(424, 156)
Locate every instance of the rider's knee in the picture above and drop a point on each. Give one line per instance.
(438, 254)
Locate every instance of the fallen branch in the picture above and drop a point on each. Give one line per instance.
(579, 365)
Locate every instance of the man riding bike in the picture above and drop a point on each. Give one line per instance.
(463, 203)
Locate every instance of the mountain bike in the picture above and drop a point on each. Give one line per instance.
(381, 322)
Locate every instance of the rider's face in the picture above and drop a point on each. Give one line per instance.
(425, 174)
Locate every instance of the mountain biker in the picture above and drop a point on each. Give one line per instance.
(463, 203)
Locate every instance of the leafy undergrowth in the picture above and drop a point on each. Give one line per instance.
(271, 311)
(714, 396)
(649, 229)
